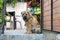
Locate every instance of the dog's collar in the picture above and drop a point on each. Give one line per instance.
(28, 19)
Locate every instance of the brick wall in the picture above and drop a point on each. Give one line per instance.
(47, 14)
(56, 15)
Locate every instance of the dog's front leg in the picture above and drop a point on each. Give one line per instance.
(28, 30)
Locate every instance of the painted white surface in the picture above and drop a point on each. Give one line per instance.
(11, 18)
(7, 24)
(20, 6)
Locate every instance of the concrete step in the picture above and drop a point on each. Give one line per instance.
(23, 37)
(19, 35)
(2, 37)
(14, 32)
(58, 37)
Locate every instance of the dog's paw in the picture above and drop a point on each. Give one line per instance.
(25, 33)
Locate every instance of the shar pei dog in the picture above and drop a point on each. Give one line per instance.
(32, 25)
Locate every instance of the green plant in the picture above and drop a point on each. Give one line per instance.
(12, 2)
(1, 2)
(0, 11)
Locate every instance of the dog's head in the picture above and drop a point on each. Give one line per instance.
(25, 15)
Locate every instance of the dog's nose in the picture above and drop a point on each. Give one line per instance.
(24, 17)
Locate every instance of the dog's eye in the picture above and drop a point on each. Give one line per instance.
(26, 14)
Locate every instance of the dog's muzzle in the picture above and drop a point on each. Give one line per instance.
(24, 17)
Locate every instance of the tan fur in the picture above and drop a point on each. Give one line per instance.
(32, 23)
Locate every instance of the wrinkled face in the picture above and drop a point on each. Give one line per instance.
(25, 15)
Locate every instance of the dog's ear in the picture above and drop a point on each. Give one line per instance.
(23, 12)
(29, 14)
